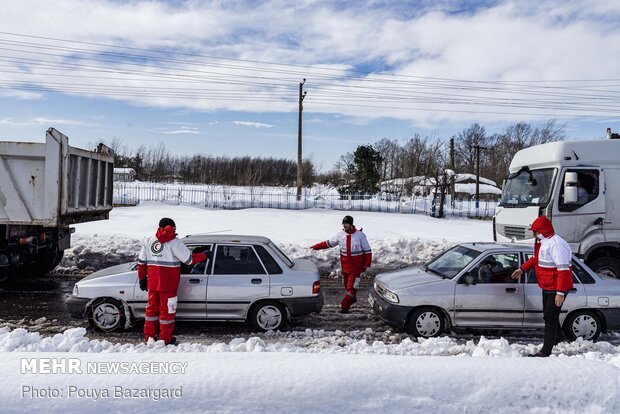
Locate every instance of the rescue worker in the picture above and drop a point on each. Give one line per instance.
(159, 272)
(355, 258)
(552, 262)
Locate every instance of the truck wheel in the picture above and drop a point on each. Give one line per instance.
(608, 266)
(583, 324)
(107, 315)
(268, 316)
(46, 262)
(427, 323)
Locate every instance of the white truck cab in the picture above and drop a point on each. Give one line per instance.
(576, 184)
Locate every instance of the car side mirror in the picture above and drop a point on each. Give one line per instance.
(570, 188)
(469, 280)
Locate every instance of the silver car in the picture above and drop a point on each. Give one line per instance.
(249, 279)
(469, 286)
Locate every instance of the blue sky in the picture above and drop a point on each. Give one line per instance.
(222, 77)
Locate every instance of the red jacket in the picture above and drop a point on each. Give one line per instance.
(355, 252)
(161, 259)
(552, 258)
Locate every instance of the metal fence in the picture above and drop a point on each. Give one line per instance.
(235, 198)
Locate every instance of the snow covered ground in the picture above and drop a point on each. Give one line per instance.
(305, 370)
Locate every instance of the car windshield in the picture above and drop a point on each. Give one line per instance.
(281, 254)
(450, 263)
(528, 188)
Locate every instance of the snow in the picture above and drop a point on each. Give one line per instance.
(313, 369)
(470, 188)
(468, 177)
(433, 375)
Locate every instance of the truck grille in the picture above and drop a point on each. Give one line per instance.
(514, 232)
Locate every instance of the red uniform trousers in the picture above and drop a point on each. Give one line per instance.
(351, 283)
(157, 316)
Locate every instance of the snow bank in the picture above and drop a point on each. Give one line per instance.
(303, 383)
(397, 240)
(309, 341)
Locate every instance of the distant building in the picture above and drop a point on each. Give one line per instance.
(124, 174)
(464, 187)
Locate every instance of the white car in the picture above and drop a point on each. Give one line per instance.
(248, 279)
(469, 286)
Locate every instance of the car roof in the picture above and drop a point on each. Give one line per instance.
(488, 246)
(225, 238)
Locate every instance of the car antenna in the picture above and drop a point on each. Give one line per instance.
(211, 232)
(217, 231)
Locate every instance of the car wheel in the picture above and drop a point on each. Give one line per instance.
(107, 315)
(583, 324)
(427, 323)
(608, 266)
(269, 316)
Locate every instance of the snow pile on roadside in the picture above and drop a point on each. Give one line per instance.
(91, 253)
(397, 240)
(309, 341)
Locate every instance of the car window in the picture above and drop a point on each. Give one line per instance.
(287, 261)
(496, 268)
(583, 276)
(197, 268)
(236, 260)
(273, 268)
(452, 261)
(531, 275)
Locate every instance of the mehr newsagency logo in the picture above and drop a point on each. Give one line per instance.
(157, 247)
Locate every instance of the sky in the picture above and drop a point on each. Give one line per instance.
(222, 77)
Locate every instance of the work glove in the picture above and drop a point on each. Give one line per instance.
(143, 284)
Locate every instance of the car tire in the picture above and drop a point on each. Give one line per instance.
(107, 315)
(583, 324)
(608, 266)
(427, 323)
(269, 316)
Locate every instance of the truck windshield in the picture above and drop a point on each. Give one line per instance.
(528, 188)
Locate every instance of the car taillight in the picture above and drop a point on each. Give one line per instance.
(316, 287)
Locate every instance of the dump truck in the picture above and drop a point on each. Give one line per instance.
(45, 188)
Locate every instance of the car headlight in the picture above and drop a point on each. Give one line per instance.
(76, 291)
(390, 296)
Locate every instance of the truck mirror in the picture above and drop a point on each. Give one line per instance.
(570, 188)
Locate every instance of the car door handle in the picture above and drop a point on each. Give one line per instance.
(573, 290)
(257, 281)
(194, 281)
(511, 290)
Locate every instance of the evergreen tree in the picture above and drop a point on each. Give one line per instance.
(366, 169)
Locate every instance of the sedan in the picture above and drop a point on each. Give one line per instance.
(469, 286)
(249, 279)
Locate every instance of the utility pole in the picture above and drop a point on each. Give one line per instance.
(302, 95)
(453, 168)
(478, 148)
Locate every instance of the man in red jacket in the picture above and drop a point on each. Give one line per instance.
(355, 257)
(552, 262)
(159, 272)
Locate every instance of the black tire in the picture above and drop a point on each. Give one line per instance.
(583, 324)
(608, 266)
(46, 261)
(427, 323)
(107, 315)
(268, 316)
